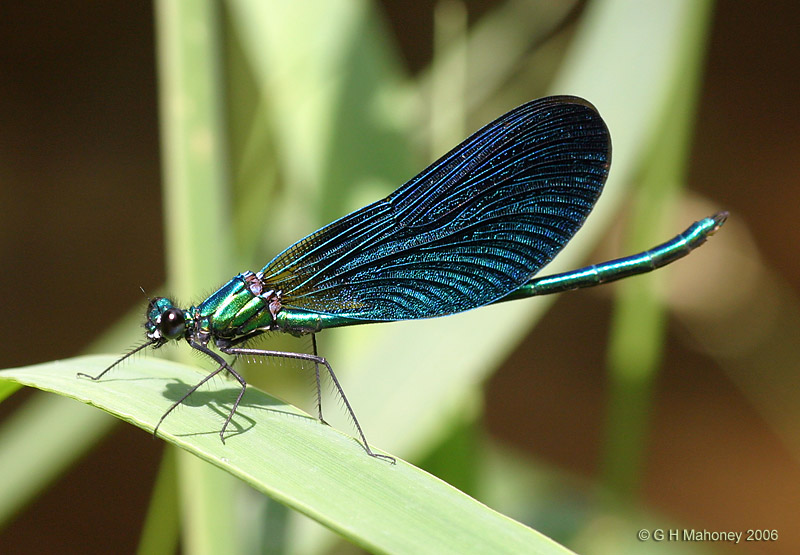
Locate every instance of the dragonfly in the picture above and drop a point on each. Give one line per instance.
(471, 230)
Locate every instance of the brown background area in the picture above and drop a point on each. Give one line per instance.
(80, 231)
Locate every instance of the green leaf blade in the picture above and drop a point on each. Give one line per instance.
(290, 456)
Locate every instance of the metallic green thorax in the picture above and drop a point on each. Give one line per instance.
(238, 308)
(244, 307)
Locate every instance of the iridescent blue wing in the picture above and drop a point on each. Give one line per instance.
(471, 228)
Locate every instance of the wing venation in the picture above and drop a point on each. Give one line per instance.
(469, 229)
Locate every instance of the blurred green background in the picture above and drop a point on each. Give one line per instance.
(83, 229)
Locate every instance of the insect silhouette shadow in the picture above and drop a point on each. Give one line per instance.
(221, 401)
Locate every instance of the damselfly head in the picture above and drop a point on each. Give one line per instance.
(164, 321)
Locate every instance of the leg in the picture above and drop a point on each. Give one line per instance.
(316, 359)
(133, 352)
(222, 366)
(316, 375)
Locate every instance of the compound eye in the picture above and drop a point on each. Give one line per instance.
(172, 324)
